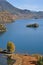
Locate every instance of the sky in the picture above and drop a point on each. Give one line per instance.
(35, 5)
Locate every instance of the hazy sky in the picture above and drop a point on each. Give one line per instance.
(28, 4)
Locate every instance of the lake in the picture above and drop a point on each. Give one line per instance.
(5, 60)
(26, 40)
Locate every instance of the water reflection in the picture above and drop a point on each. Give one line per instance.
(1, 33)
(6, 60)
(3, 60)
(10, 61)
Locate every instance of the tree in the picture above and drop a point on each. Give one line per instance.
(10, 47)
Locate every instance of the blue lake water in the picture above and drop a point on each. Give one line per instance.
(26, 40)
(5, 60)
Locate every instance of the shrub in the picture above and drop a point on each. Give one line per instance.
(10, 47)
(40, 61)
(37, 56)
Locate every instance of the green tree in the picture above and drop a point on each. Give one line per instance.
(10, 47)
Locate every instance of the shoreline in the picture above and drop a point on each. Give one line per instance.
(22, 59)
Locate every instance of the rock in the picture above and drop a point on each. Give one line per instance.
(35, 25)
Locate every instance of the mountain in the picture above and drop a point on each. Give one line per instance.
(16, 13)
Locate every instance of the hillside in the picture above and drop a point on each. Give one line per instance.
(5, 17)
(8, 12)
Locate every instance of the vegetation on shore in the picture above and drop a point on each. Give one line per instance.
(16, 59)
(10, 47)
(2, 28)
(39, 59)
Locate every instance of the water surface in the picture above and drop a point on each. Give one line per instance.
(26, 40)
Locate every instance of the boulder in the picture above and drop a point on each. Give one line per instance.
(33, 25)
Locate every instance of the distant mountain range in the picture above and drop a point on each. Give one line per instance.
(16, 13)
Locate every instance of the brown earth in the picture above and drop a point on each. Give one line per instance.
(23, 59)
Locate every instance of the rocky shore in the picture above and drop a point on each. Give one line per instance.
(21, 59)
